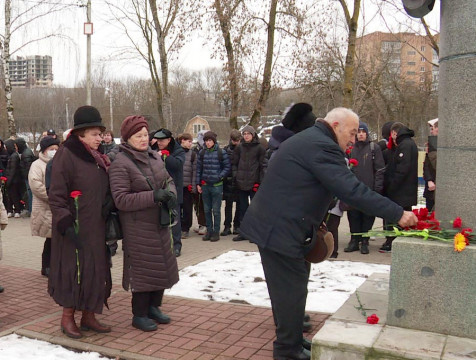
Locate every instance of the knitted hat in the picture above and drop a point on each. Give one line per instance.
(87, 116)
(250, 129)
(48, 141)
(163, 134)
(210, 135)
(364, 127)
(299, 117)
(131, 125)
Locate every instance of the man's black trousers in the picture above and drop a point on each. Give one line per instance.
(287, 286)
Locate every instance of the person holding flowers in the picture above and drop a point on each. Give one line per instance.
(174, 157)
(80, 275)
(300, 183)
(370, 170)
(140, 186)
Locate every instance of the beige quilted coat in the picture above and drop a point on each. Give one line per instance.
(3, 220)
(41, 218)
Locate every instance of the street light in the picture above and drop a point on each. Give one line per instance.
(67, 114)
(108, 91)
(418, 8)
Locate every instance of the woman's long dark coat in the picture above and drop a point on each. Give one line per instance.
(74, 168)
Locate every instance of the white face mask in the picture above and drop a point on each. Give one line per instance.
(50, 153)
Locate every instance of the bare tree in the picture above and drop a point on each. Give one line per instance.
(23, 16)
(162, 29)
(352, 24)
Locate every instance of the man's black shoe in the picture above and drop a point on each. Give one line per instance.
(226, 231)
(214, 237)
(353, 246)
(364, 249)
(306, 326)
(239, 237)
(385, 249)
(303, 355)
(236, 231)
(206, 237)
(306, 344)
(307, 318)
(177, 252)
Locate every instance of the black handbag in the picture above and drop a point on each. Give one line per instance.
(167, 217)
(113, 227)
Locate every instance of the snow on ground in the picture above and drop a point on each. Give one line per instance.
(14, 347)
(235, 276)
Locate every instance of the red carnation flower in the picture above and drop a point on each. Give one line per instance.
(75, 193)
(165, 153)
(203, 182)
(372, 319)
(353, 162)
(457, 223)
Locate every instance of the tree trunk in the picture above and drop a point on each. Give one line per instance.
(164, 67)
(266, 84)
(231, 65)
(352, 24)
(12, 129)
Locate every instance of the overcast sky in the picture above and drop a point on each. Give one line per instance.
(69, 55)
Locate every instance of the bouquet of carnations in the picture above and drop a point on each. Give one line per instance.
(428, 228)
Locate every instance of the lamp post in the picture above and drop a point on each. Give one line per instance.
(68, 125)
(88, 31)
(109, 92)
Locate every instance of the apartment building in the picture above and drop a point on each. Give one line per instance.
(406, 56)
(31, 71)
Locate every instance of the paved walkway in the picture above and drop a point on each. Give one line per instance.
(199, 329)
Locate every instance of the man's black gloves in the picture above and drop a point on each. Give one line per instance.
(167, 197)
(71, 235)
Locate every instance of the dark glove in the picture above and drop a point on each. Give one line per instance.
(107, 206)
(162, 195)
(167, 197)
(70, 234)
(255, 187)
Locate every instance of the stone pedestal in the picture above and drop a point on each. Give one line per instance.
(432, 287)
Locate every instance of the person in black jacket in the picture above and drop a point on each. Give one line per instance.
(293, 199)
(370, 170)
(401, 175)
(248, 169)
(26, 159)
(230, 192)
(15, 185)
(189, 185)
(429, 166)
(174, 157)
(3, 156)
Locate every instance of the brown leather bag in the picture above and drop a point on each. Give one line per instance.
(321, 245)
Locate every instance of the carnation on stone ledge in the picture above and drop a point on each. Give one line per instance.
(372, 319)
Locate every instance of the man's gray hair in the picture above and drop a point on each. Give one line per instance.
(339, 114)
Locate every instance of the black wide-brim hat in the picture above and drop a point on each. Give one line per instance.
(87, 116)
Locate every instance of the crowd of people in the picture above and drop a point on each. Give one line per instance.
(312, 170)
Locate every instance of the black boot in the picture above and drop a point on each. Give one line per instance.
(144, 323)
(226, 231)
(364, 249)
(353, 246)
(157, 315)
